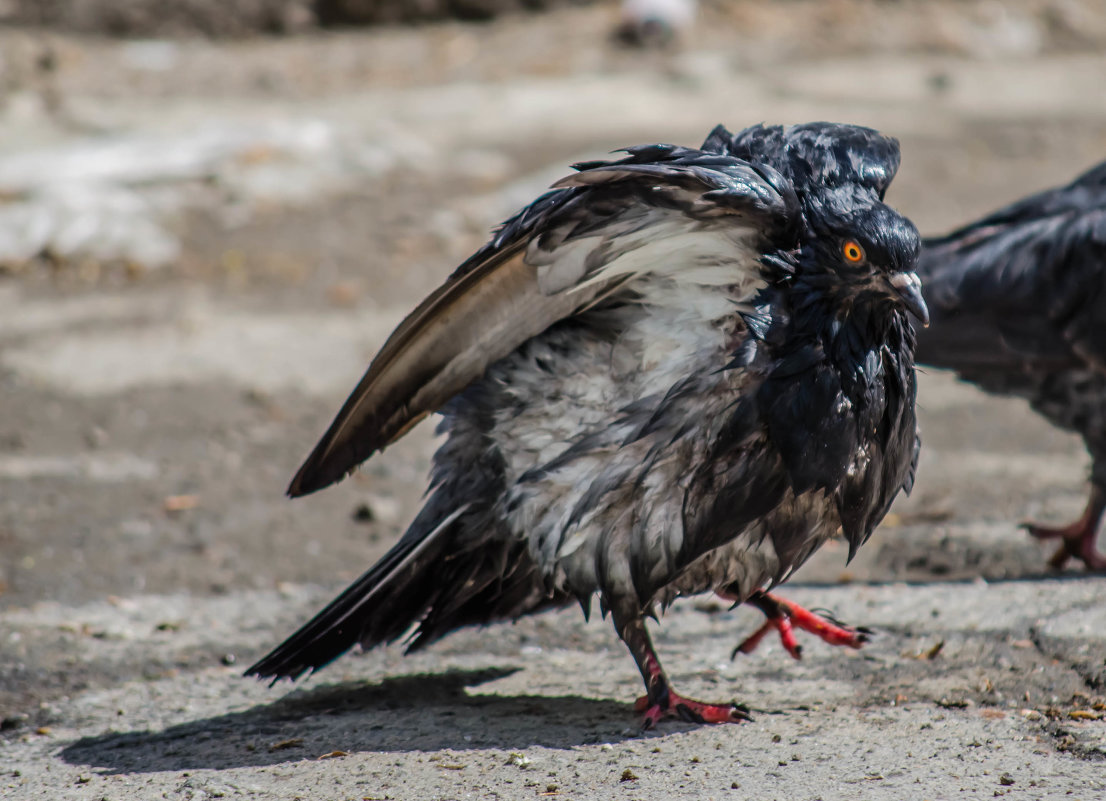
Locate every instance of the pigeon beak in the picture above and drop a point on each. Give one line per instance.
(909, 289)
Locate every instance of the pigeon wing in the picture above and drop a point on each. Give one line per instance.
(1023, 287)
(570, 249)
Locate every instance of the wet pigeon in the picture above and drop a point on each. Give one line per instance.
(1019, 308)
(675, 373)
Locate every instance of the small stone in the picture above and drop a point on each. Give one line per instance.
(343, 294)
(283, 745)
(1006, 780)
(96, 437)
(174, 504)
(12, 722)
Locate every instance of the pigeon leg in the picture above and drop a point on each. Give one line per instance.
(660, 701)
(785, 616)
(1078, 539)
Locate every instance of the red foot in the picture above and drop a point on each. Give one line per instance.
(1078, 543)
(660, 702)
(785, 616)
(687, 709)
(1080, 547)
(1079, 537)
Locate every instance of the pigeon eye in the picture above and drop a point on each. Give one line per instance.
(852, 251)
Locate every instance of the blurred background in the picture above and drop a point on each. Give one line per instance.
(212, 212)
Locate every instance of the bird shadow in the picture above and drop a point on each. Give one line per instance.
(425, 712)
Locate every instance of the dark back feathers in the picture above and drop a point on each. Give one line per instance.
(816, 154)
(1022, 288)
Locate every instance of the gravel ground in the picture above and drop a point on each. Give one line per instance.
(305, 192)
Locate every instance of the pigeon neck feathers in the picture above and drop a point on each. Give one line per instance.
(839, 174)
(836, 347)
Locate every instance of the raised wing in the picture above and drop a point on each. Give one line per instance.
(588, 238)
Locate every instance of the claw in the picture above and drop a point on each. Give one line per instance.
(689, 711)
(784, 616)
(660, 701)
(1078, 538)
(1077, 541)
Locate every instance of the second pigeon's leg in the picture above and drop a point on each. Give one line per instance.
(660, 701)
(1078, 539)
(784, 617)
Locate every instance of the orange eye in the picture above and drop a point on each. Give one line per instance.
(853, 251)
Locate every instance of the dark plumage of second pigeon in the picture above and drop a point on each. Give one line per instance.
(675, 373)
(1019, 308)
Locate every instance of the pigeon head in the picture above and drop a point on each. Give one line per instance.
(861, 249)
(853, 245)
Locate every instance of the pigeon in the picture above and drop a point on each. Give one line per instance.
(676, 372)
(654, 23)
(1018, 301)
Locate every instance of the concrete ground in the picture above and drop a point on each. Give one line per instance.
(285, 203)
